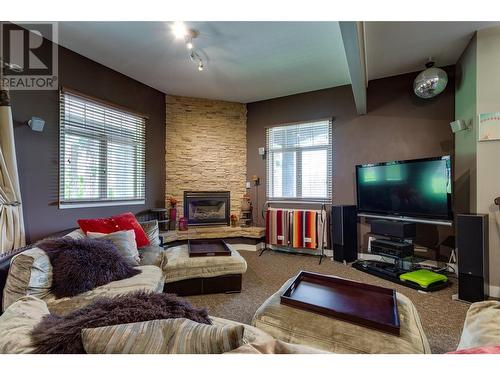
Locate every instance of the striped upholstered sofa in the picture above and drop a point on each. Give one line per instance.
(25, 276)
(29, 273)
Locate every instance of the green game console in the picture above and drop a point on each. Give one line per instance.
(424, 278)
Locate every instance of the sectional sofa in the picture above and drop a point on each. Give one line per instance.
(26, 284)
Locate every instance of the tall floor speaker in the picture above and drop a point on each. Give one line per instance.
(344, 233)
(473, 252)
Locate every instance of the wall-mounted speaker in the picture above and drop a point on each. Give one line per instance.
(344, 233)
(459, 125)
(472, 241)
(36, 124)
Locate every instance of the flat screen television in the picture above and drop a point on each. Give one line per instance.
(419, 188)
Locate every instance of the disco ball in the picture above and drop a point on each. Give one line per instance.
(431, 82)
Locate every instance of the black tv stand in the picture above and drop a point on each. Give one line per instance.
(391, 272)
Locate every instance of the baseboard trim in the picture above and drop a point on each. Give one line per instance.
(247, 247)
(494, 291)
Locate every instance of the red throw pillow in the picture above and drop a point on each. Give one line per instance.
(125, 221)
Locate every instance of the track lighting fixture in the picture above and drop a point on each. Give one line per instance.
(180, 30)
(196, 59)
(188, 39)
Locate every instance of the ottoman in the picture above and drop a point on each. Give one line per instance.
(201, 275)
(297, 326)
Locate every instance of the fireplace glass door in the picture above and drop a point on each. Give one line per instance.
(207, 207)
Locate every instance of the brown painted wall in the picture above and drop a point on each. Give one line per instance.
(37, 153)
(398, 126)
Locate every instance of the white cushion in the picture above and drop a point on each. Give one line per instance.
(76, 234)
(124, 240)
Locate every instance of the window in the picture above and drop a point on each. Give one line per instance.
(101, 153)
(299, 161)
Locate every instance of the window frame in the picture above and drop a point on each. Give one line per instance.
(298, 161)
(104, 141)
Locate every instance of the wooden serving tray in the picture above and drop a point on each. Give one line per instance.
(208, 248)
(363, 304)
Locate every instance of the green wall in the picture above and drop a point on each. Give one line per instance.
(465, 141)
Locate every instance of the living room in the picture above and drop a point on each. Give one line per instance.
(261, 186)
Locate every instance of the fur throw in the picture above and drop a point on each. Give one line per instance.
(80, 265)
(62, 334)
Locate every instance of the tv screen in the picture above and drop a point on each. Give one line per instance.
(418, 188)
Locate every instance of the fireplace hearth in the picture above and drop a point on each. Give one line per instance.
(207, 207)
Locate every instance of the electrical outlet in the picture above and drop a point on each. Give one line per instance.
(248, 185)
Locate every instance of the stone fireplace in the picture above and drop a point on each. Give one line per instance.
(207, 207)
(205, 150)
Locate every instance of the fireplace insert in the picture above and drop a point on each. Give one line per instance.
(207, 207)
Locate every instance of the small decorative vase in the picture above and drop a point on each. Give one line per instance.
(173, 217)
(183, 224)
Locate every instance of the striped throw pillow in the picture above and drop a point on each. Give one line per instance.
(152, 231)
(164, 336)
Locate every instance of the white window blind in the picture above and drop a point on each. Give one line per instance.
(299, 161)
(101, 153)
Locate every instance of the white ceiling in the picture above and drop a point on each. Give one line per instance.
(251, 61)
(245, 61)
(401, 47)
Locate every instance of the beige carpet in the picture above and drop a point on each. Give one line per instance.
(441, 317)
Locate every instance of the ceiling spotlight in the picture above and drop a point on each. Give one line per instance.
(179, 29)
(197, 59)
(191, 34)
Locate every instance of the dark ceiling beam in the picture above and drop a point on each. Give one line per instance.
(354, 46)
